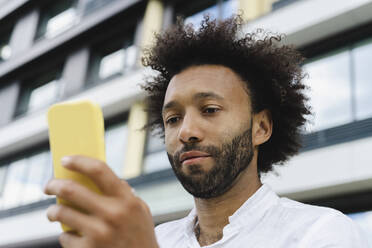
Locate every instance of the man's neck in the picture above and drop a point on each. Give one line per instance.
(213, 214)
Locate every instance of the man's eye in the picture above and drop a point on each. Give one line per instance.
(172, 120)
(210, 110)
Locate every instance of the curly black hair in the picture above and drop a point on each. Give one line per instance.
(272, 72)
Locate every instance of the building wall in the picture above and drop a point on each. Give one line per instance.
(332, 168)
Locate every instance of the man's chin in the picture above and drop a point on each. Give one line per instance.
(196, 185)
(206, 194)
(194, 170)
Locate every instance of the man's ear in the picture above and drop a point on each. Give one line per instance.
(262, 127)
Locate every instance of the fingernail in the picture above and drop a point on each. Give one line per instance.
(51, 212)
(46, 186)
(65, 160)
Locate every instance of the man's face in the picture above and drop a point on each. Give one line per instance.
(208, 128)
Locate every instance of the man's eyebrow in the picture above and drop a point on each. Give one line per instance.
(197, 96)
(169, 105)
(202, 95)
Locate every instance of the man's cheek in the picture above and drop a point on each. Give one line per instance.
(170, 158)
(170, 147)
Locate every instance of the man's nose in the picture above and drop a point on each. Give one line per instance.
(190, 130)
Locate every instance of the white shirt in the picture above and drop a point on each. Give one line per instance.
(267, 221)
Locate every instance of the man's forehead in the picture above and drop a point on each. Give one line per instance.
(202, 82)
(216, 78)
(205, 78)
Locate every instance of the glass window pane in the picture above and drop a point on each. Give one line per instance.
(156, 157)
(92, 5)
(40, 92)
(3, 171)
(60, 23)
(112, 58)
(196, 18)
(48, 173)
(154, 143)
(363, 81)
(37, 164)
(2, 179)
(156, 162)
(5, 51)
(57, 17)
(330, 93)
(229, 8)
(43, 95)
(116, 140)
(130, 57)
(111, 64)
(15, 184)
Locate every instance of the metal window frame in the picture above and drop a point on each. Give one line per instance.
(32, 83)
(45, 17)
(117, 38)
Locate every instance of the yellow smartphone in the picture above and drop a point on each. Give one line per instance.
(75, 128)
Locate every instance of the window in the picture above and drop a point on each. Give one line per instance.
(156, 158)
(216, 9)
(362, 58)
(56, 18)
(3, 171)
(196, 17)
(5, 50)
(340, 86)
(277, 4)
(39, 172)
(330, 90)
(40, 92)
(2, 179)
(228, 8)
(93, 5)
(112, 58)
(23, 180)
(116, 140)
(15, 184)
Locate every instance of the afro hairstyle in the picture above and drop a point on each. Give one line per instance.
(271, 70)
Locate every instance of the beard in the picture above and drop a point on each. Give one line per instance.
(230, 160)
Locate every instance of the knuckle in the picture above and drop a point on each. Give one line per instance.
(66, 188)
(134, 205)
(98, 168)
(73, 160)
(146, 207)
(116, 214)
(101, 233)
(63, 239)
(123, 210)
(58, 213)
(124, 183)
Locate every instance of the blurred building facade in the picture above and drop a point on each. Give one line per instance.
(53, 51)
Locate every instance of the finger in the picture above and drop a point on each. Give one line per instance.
(70, 240)
(75, 219)
(76, 194)
(99, 172)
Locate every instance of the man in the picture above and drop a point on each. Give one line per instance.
(228, 108)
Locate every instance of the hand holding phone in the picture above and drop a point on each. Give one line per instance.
(75, 128)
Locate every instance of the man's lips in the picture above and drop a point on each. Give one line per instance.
(192, 155)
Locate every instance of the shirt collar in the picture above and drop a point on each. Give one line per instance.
(253, 209)
(248, 215)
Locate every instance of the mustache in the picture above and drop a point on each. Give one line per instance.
(213, 151)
